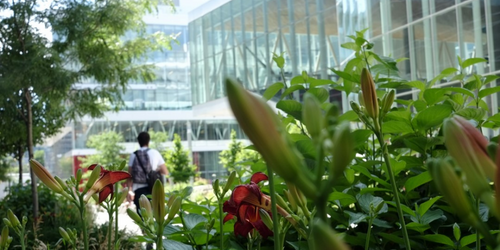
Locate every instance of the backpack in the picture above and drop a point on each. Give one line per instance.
(147, 175)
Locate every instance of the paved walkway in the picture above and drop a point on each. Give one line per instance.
(124, 221)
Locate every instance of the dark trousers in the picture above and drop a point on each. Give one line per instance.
(138, 193)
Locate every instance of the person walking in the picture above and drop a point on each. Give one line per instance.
(143, 160)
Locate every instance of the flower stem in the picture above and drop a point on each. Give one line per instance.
(368, 234)
(478, 234)
(21, 236)
(274, 210)
(110, 223)
(83, 218)
(221, 222)
(159, 237)
(115, 200)
(387, 161)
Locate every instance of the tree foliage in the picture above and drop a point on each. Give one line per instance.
(178, 162)
(236, 155)
(157, 140)
(108, 147)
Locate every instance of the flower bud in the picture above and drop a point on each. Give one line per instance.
(123, 195)
(171, 200)
(468, 146)
(312, 115)
(13, 219)
(282, 203)
(229, 182)
(79, 174)
(369, 94)
(266, 218)
(158, 202)
(305, 76)
(342, 150)
(267, 134)
(144, 203)
(7, 222)
(176, 205)
(355, 107)
(215, 186)
(134, 216)
(96, 171)
(4, 238)
(291, 200)
(387, 101)
(64, 234)
(449, 184)
(60, 181)
(45, 176)
(323, 235)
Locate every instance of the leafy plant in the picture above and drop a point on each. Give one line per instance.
(178, 162)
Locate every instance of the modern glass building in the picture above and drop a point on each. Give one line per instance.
(238, 38)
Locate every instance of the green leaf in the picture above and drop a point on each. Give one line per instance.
(191, 220)
(172, 244)
(272, 90)
(404, 116)
(419, 105)
(291, 107)
(433, 96)
(472, 61)
(417, 181)
(472, 113)
(344, 75)
(297, 80)
(361, 136)
(396, 127)
(431, 216)
(460, 90)
(320, 93)
(307, 148)
(426, 205)
(416, 84)
(343, 198)
(367, 201)
(319, 82)
(356, 218)
(348, 116)
(449, 71)
(417, 227)
(405, 208)
(456, 231)
(392, 237)
(351, 46)
(433, 116)
(490, 78)
(437, 238)
(290, 90)
(488, 91)
(299, 245)
(367, 173)
(468, 239)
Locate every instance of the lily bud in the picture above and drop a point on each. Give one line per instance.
(369, 94)
(122, 196)
(13, 218)
(7, 222)
(176, 205)
(4, 238)
(171, 200)
(229, 182)
(387, 101)
(282, 203)
(355, 107)
(468, 147)
(215, 186)
(342, 150)
(158, 202)
(79, 174)
(291, 200)
(323, 237)
(312, 115)
(144, 203)
(45, 176)
(134, 216)
(64, 234)
(266, 218)
(93, 177)
(267, 134)
(449, 184)
(60, 181)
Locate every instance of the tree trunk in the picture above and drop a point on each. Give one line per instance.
(20, 153)
(29, 126)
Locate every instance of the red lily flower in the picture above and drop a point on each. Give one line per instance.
(245, 202)
(104, 185)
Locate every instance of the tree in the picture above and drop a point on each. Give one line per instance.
(157, 139)
(178, 162)
(233, 157)
(88, 45)
(108, 147)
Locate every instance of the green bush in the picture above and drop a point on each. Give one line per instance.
(54, 211)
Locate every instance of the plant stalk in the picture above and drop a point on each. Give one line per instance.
(274, 210)
(115, 199)
(221, 222)
(82, 208)
(387, 161)
(368, 234)
(110, 223)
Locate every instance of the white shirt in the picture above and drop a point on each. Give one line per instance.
(155, 159)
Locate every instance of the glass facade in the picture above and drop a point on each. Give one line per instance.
(201, 130)
(239, 38)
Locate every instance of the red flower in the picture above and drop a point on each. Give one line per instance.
(104, 185)
(244, 203)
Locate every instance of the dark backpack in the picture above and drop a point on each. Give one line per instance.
(143, 172)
